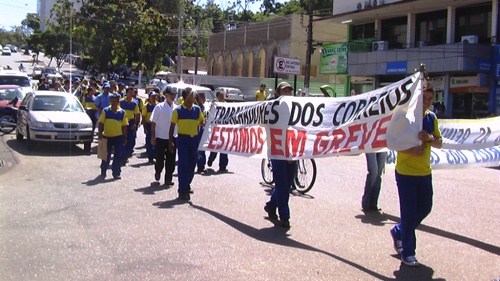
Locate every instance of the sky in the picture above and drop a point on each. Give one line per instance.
(12, 12)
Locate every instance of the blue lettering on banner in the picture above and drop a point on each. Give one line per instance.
(486, 155)
(391, 157)
(396, 67)
(455, 157)
(434, 158)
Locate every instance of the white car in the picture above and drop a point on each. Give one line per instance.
(179, 86)
(13, 77)
(48, 116)
(6, 51)
(231, 94)
(37, 72)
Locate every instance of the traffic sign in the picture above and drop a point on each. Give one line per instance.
(287, 65)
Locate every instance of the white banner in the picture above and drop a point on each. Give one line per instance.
(304, 127)
(466, 143)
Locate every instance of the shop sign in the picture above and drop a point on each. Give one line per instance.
(467, 84)
(346, 6)
(396, 67)
(437, 83)
(334, 58)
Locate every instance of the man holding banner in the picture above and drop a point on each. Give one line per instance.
(414, 181)
(283, 174)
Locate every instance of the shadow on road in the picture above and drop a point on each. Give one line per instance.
(453, 236)
(49, 149)
(152, 188)
(278, 235)
(97, 180)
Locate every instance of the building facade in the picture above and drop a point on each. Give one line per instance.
(43, 10)
(249, 51)
(456, 40)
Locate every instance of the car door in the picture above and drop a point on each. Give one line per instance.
(22, 114)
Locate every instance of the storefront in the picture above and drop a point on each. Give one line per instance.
(469, 97)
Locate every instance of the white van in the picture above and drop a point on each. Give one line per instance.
(180, 86)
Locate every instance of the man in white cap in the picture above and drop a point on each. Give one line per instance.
(283, 174)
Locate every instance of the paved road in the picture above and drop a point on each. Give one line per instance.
(58, 222)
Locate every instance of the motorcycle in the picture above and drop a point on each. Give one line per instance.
(8, 117)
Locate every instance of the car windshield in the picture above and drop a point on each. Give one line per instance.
(56, 103)
(22, 81)
(9, 94)
(208, 94)
(49, 70)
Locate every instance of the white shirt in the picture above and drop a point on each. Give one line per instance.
(161, 116)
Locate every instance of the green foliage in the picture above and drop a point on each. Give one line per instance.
(144, 31)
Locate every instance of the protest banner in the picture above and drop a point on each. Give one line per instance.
(301, 127)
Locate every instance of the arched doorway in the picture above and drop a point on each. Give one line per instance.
(262, 63)
(250, 63)
(239, 64)
(228, 65)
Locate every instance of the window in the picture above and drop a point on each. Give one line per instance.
(394, 31)
(363, 31)
(22, 81)
(431, 28)
(474, 20)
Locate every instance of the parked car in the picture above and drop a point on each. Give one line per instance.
(231, 94)
(37, 72)
(12, 77)
(11, 95)
(180, 86)
(6, 51)
(48, 116)
(51, 72)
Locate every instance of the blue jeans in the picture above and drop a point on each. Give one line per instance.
(375, 164)
(283, 173)
(113, 144)
(187, 151)
(223, 160)
(150, 149)
(415, 203)
(128, 148)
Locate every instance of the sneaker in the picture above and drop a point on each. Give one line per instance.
(270, 213)
(151, 161)
(410, 261)
(223, 170)
(209, 163)
(397, 244)
(285, 223)
(117, 177)
(171, 183)
(157, 176)
(200, 171)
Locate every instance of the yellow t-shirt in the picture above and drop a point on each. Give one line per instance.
(260, 95)
(131, 108)
(410, 165)
(113, 122)
(187, 120)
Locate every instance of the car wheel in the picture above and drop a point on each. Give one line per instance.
(86, 146)
(19, 136)
(29, 142)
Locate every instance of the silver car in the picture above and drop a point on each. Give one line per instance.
(48, 116)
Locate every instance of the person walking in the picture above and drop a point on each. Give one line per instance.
(89, 105)
(102, 100)
(113, 126)
(186, 117)
(261, 95)
(375, 164)
(200, 100)
(131, 108)
(223, 159)
(160, 128)
(146, 124)
(283, 174)
(414, 181)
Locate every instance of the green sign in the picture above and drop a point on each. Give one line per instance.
(333, 59)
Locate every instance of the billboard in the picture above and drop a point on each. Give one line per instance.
(334, 58)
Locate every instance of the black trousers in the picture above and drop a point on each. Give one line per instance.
(165, 158)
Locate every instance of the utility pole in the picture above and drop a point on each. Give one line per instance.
(197, 45)
(179, 44)
(309, 48)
